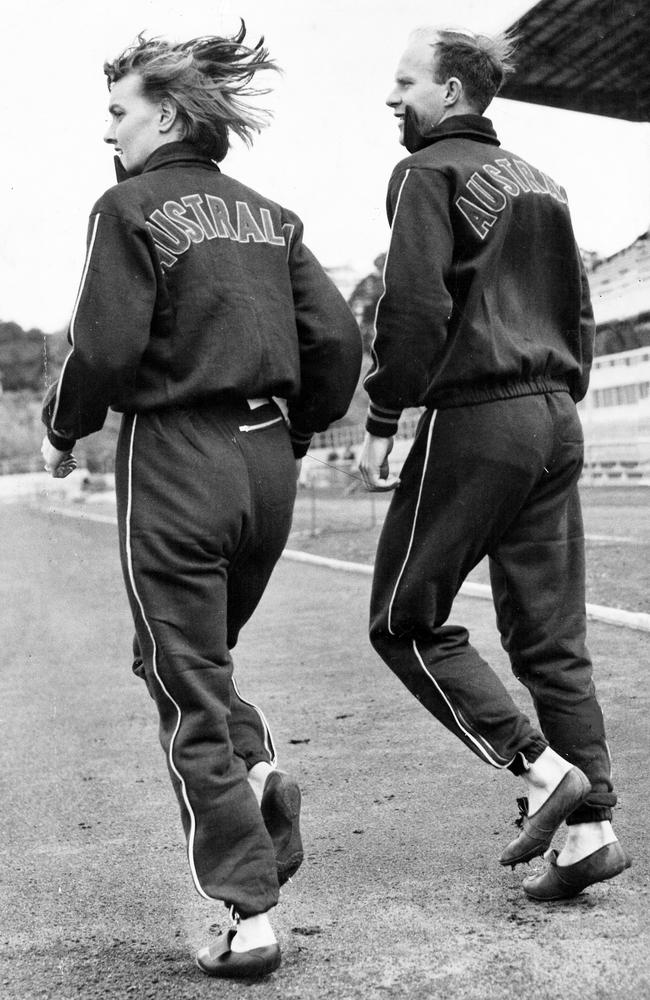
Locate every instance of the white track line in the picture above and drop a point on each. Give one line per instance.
(610, 538)
(596, 612)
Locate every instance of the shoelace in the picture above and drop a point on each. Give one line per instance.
(522, 805)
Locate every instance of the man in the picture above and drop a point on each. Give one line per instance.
(199, 304)
(485, 321)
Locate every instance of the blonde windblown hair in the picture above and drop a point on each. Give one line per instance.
(209, 80)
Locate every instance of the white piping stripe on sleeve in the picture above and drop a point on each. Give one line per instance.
(383, 276)
(82, 283)
(172, 765)
(268, 739)
(57, 398)
(470, 736)
(84, 275)
(415, 518)
(383, 420)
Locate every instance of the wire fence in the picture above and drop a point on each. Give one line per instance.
(332, 501)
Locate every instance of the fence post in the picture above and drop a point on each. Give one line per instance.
(312, 485)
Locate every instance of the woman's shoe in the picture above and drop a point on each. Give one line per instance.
(566, 881)
(281, 814)
(218, 960)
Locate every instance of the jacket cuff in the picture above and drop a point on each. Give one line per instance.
(300, 442)
(382, 422)
(60, 443)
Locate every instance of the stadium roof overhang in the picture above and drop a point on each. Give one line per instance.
(584, 55)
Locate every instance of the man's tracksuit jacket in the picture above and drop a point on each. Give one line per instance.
(485, 321)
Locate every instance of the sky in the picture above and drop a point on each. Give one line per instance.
(327, 155)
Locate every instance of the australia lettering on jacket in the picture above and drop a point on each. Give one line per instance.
(197, 217)
(488, 191)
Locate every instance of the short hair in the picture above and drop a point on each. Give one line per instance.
(481, 62)
(209, 81)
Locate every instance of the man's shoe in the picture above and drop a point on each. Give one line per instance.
(537, 830)
(218, 960)
(281, 814)
(566, 881)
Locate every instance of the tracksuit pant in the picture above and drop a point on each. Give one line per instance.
(497, 479)
(205, 498)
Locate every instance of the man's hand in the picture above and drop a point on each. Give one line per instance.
(373, 464)
(58, 463)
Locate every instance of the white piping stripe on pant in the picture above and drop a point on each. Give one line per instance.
(415, 518)
(268, 738)
(463, 729)
(172, 765)
(470, 736)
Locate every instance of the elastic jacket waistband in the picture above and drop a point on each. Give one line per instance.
(471, 394)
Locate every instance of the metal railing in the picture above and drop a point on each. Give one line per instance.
(348, 435)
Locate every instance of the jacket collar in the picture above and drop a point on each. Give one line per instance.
(470, 126)
(172, 153)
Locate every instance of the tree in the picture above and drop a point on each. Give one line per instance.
(30, 359)
(364, 299)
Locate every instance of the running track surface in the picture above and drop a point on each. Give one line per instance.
(401, 894)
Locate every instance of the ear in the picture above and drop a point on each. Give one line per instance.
(168, 115)
(453, 91)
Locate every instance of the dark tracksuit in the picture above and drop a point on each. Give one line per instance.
(485, 321)
(199, 305)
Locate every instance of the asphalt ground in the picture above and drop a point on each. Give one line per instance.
(401, 894)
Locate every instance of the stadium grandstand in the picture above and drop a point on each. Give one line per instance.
(584, 55)
(592, 56)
